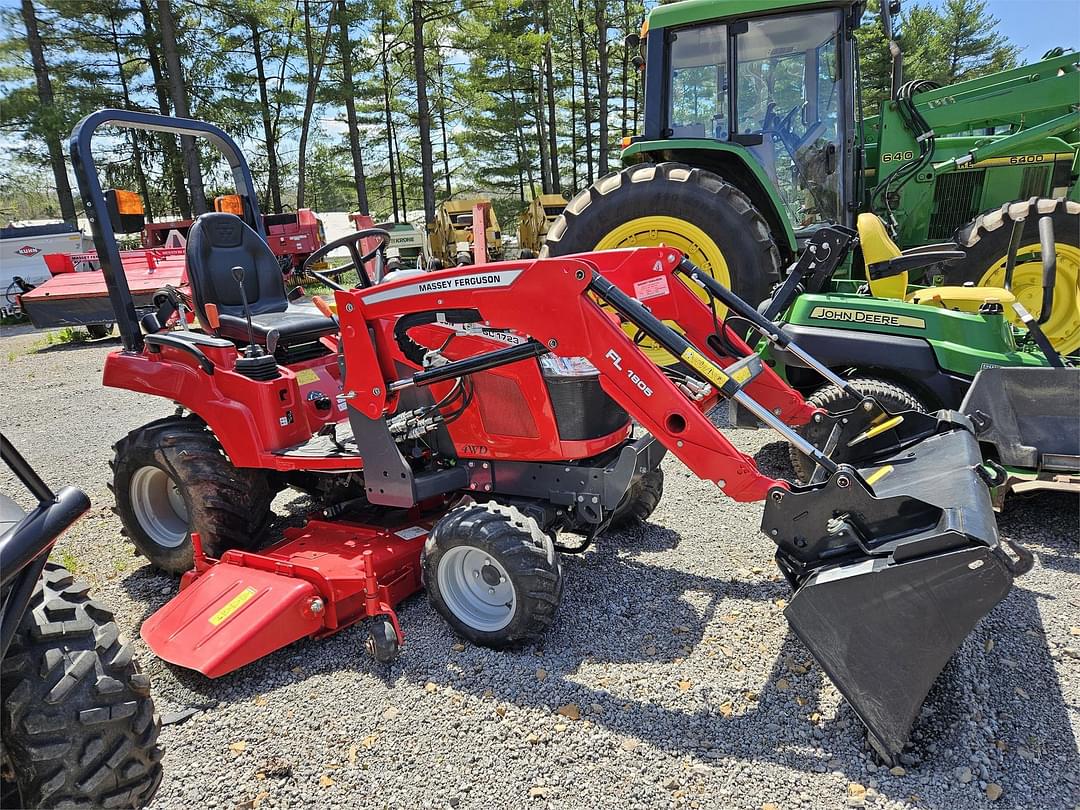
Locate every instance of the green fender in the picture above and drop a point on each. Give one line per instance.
(733, 164)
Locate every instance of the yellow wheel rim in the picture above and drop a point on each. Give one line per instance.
(1063, 327)
(681, 235)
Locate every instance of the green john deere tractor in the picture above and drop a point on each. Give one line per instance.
(753, 139)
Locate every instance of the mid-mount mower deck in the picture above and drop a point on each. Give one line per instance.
(453, 422)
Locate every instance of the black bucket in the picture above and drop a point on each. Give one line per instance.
(890, 578)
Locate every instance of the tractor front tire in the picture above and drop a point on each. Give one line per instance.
(891, 396)
(78, 723)
(171, 478)
(640, 500)
(691, 210)
(986, 242)
(492, 574)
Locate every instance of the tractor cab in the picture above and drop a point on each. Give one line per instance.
(778, 85)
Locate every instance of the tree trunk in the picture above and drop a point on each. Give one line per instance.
(536, 91)
(401, 178)
(45, 96)
(389, 118)
(345, 46)
(625, 69)
(173, 166)
(442, 128)
(423, 113)
(178, 92)
(136, 152)
(549, 86)
(519, 140)
(573, 113)
(583, 45)
(602, 83)
(269, 131)
(315, 66)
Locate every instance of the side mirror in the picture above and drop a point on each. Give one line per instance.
(889, 10)
(631, 41)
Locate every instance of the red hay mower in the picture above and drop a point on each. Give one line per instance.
(450, 426)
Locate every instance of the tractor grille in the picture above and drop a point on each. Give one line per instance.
(503, 408)
(1034, 182)
(582, 409)
(957, 198)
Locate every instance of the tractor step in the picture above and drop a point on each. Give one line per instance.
(338, 444)
(323, 577)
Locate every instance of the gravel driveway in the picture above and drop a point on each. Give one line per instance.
(669, 678)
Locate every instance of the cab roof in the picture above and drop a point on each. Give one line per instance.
(693, 11)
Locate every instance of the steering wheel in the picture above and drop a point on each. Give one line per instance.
(781, 126)
(357, 261)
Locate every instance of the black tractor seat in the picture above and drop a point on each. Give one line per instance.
(217, 243)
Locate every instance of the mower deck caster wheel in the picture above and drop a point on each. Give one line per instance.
(382, 642)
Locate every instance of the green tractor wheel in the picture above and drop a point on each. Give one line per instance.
(691, 210)
(986, 241)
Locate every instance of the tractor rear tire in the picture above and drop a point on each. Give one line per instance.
(691, 210)
(892, 397)
(492, 574)
(171, 478)
(78, 722)
(986, 241)
(640, 500)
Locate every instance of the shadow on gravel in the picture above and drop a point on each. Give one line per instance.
(998, 705)
(76, 345)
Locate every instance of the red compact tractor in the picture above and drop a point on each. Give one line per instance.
(451, 424)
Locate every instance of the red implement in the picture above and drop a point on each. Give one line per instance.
(321, 578)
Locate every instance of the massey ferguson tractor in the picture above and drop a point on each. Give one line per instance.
(456, 429)
(753, 137)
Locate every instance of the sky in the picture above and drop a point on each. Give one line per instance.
(1037, 25)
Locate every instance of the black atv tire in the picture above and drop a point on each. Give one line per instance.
(228, 506)
(483, 534)
(986, 242)
(78, 721)
(97, 331)
(640, 500)
(893, 397)
(681, 192)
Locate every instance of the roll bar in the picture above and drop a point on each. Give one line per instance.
(82, 160)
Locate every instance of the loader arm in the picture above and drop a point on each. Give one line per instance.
(549, 301)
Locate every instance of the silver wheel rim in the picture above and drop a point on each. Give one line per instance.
(159, 507)
(476, 588)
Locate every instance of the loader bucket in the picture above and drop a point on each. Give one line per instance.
(890, 577)
(882, 632)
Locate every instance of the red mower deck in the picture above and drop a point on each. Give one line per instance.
(319, 579)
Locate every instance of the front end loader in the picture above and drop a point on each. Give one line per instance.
(893, 537)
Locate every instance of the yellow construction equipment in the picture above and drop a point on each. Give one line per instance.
(454, 237)
(535, 221)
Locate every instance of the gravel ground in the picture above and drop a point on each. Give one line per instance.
(669, 678)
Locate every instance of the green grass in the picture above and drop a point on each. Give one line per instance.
(69, 561)
(58, 337)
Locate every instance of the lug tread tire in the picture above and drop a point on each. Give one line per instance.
(986, 238)
(229, 506)
(892, 396)
(525, 552)
(683, 192)
(78, 721)
(640, 501)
